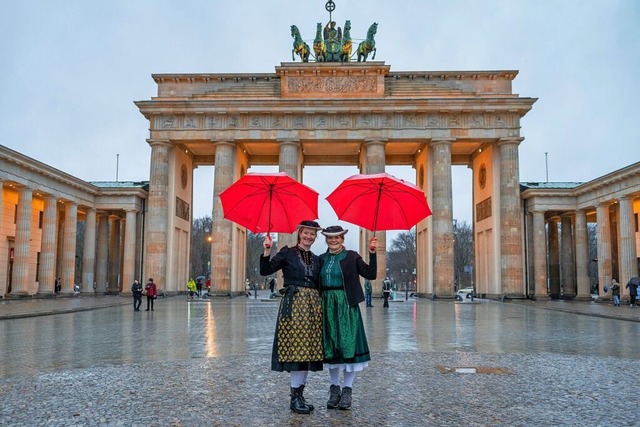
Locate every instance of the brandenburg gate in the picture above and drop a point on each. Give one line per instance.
(359, 114)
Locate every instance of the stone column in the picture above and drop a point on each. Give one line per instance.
(129, 258)
(114, 254)
(20, 282)
(221, 229)
(89, 253)
(628, 254)
(581, 239)
(102, 254)
(289, 162)
(48, 247)
(158, 213)
(604, 247)
(69, 248)
(568, 267)
(511, 252)
(442, 218)
(554, 259)
(540, 256)
(375, 163)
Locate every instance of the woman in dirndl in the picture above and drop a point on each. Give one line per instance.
(297, 344)
(345, 342)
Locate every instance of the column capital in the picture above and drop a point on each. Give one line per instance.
(507, 141)
(159, 142)
(288, 141)
(441, 141)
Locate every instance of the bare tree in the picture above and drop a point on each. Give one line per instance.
(200, 246)
(401, 259)
(463, 253)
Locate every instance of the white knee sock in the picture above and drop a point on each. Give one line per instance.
(334, 374)
(298, 378)
(349, 378)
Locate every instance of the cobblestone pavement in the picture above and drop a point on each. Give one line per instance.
(206, 363)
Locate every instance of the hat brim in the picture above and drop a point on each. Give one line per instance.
(300, 226)
(338, 233)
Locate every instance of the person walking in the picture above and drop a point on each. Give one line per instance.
(191, 286)
(367, 292)
(386, 291)
(615, 291)
(632, 285)
(136, 290)
(345, 343)
(152, 291)
(199, 286)
(297, 343)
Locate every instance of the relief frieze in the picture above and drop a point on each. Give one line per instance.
(212, 122)
(168, 122)
(256, 122)
(334, 84)
(190, 123)
(321, 122)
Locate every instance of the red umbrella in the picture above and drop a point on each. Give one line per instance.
(379, 202)
(266, 202)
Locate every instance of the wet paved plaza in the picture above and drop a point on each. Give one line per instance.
(433, 363)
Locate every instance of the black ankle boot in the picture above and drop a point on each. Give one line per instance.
(304, 401)
(334, 397)
(297, 405)
(345, 399)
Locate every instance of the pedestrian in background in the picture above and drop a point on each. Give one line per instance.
(632, 285)
(615, 291)
(191, 286)
(386, 291)
(297, 344)
(136, 290)
(199, 285)
(345, 343)
(152, 291)
(367, 292)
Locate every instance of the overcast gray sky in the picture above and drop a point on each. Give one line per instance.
(71, 70)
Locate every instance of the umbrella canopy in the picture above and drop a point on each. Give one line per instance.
(379, 202)
(266, 202)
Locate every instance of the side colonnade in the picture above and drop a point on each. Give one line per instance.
(43, 214)
(583, 235)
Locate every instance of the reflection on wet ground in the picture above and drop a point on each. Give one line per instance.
(178, 330)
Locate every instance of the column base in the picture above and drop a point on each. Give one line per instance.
(541, 298)
(69, 294)
(87, 293)
(44, 295)
(18, 295)
(583, 298)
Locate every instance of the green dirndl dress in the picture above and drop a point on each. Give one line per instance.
(344, 338)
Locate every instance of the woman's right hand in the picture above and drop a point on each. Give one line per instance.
(267, 244)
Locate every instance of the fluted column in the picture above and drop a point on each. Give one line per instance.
(221, 229)
(114, 254)
(442, 218)
(289, 162)
(554, 259)
(568, 267)
(20, 282)
(581, 239)
(604, 247)
(540, 256)
(69, 248)
(129, 258)
(158, 213)
(511, 252)
(628, 254)
(48, 247)
(102, 254)
(89, 253)
(375, 163)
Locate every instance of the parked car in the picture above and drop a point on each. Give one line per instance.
(465, 293)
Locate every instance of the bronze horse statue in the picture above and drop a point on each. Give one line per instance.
(319, 48)
(299, 46)
(369, 45)
(345, 50)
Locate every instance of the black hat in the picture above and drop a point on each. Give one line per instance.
(150, 279)
(309, 224)
(334, 230)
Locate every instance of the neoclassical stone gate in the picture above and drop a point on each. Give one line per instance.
(359, 114)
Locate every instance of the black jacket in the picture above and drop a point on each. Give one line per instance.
(293, 271)
(352, 267)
